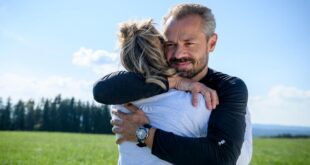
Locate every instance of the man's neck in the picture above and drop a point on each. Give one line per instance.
(201, 74)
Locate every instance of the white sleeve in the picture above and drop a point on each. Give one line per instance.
(247, 146)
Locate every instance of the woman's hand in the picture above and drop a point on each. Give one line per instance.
(195, 88)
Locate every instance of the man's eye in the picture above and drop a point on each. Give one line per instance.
(189, 43)
(170, 45)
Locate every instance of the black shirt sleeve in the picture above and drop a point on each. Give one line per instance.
(225, 132)
(123, 87)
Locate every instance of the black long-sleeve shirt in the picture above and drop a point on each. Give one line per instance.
(226, 124)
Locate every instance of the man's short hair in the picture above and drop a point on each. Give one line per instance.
(182, 10)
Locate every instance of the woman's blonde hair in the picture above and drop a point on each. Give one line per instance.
(142, 51)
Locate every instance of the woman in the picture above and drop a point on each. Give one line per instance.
(142, 52)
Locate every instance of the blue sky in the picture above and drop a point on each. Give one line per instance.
(63, 47)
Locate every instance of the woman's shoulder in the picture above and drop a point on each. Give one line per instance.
(173, 98)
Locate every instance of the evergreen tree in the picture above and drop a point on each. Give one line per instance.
(97, 117)
(64, 115)
(76, 117)
(71, 115)
(1, 115)
(6, 116)
(86, 119)
(30, 116)
(46, 123)
(53, 117)
(107, 127)
(38, 119)
(19, 116)
(56, 113)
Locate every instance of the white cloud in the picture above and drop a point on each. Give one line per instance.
(100, 61)
(283, 105)
(26, 87)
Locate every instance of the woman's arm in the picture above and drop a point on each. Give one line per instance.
(123, 87)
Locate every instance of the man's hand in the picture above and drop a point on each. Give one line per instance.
(128, 123)
(209, 94)
(195, 88)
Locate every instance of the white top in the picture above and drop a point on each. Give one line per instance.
(247, 146)
(173, 112)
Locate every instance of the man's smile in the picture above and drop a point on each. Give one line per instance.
(182, 65)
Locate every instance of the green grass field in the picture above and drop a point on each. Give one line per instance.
(56, 148)
(66, 148)
(281, 151)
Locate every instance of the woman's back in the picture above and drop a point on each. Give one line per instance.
(172, 112)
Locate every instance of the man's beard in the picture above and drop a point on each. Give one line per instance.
(189, 73)
(186, 73)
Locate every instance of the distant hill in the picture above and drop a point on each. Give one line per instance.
(260, 130)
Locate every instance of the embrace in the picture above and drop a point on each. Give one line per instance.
(169, 107)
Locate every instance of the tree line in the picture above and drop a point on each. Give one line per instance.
(61, 115)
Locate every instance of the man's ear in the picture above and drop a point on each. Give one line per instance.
(212, 42)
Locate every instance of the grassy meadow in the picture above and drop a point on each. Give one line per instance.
(70, 148)
(44, 148)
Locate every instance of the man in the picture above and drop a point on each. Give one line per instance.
(190, 34)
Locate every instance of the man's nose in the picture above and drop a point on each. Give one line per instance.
(179, 52)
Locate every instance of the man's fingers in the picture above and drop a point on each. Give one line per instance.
(195, 98)
(121, 114)
(215, 99)
(116, 122)
(207, 97)
(117, 130)
(120, 140)
(132, 108)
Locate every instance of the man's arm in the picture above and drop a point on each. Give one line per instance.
(225, 133)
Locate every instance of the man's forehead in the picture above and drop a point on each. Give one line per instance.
(188, 28)
(182, 35)
(182, 38)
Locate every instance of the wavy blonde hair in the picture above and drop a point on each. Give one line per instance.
(142, 51)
